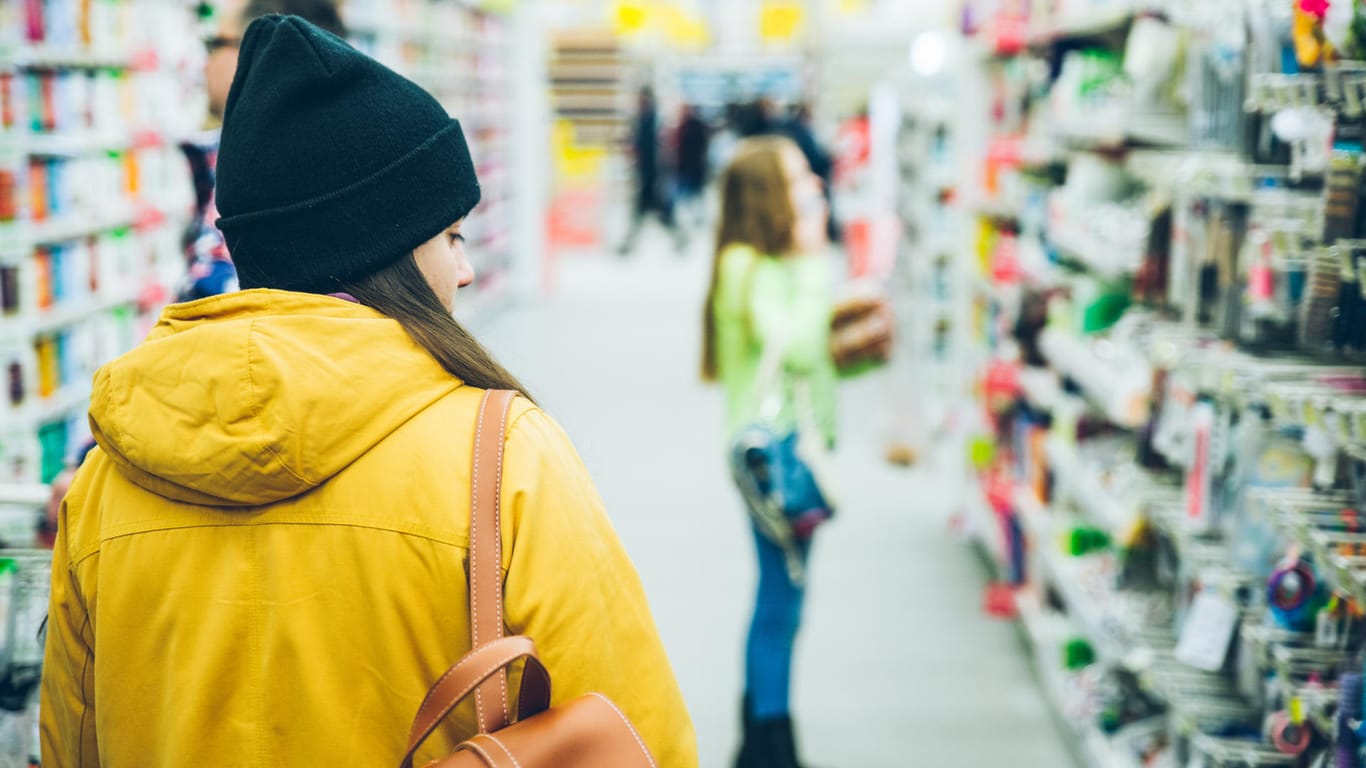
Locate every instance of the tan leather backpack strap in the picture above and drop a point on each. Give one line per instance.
(477, 667)
(486, 550)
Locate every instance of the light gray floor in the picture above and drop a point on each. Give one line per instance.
(897, 665)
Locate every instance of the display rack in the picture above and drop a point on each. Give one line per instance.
(588, 85)
(924, 280)
(462, 54)
(94, 196)
(1171, 372)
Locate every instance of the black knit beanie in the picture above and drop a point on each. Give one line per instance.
(331, 166)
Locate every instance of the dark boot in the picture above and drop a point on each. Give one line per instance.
(749, 754)
(768, 744)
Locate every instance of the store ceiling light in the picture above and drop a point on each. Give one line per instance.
(929, 52)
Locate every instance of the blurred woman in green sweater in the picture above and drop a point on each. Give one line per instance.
(770, 297)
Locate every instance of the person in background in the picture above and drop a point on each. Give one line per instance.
(690, 175)
(771, 284)
(274, 527)
(798, 128)
(210, 266)
(755, 118)
(650, 197)
(724, 140)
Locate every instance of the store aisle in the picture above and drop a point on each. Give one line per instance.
(898, 666)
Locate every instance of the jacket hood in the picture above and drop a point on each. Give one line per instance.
(254, 397)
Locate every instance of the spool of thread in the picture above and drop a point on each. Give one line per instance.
(1288, 736)
(1347, 750)
(1291, 592)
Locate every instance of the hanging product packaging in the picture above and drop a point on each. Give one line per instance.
(1342, 193)
(1199, 480)
(1318, 309)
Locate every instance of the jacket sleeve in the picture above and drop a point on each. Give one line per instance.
(67, 714)
(572, 588)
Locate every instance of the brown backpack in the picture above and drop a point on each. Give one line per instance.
(589, 731)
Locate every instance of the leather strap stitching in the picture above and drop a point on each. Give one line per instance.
(474, 747)
(645, 750)
(498, 544)
(506, 751)
(473, 560)
(439, 716)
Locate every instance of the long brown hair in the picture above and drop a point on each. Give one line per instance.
(756, 210)
(401, 292)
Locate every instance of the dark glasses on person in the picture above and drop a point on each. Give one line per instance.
(219, 42)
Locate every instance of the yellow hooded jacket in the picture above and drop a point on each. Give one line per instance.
(263, 564)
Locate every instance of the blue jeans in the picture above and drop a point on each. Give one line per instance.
(773, 631)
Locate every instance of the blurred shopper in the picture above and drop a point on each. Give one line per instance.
(771, 285)
(798, 128)
(210, 268)
(690, 175)
(755, 118)
(273, 528)
(724, 139)
(650, 192)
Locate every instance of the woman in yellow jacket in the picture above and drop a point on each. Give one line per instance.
(263, 563)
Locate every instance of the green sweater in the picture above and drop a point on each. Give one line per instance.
(759, 299)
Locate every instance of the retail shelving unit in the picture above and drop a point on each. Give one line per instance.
(95, 194)
(462, 54)
(1172, 372)
(588, 85)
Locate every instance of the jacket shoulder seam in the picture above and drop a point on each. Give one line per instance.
(260, 411)
(451, 541)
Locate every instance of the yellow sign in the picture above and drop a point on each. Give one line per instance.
(573, 161)
(685, 30)
(780, 20)
(631, 18)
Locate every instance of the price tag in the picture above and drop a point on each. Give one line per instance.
(1208, 630)
(1276, 402)
(1311, 414)
(1336, 422)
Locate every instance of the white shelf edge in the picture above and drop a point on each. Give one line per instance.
(1084, 486)
(63, 402)
(1094, 22)
(1069, 355)
(51, 320)
(75, 57)
(1058, 570)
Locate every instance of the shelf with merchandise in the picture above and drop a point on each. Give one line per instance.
(1103, 19)
(26, 326)
(1116, 380)
(1047, 631)
(1206, 420)
(80, 143)
(79, 224)
(61, 404)
(1099, 611)
(1083, 485)
(98, 193)
(1043, 390)
(1120, 127)
(69, 57)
